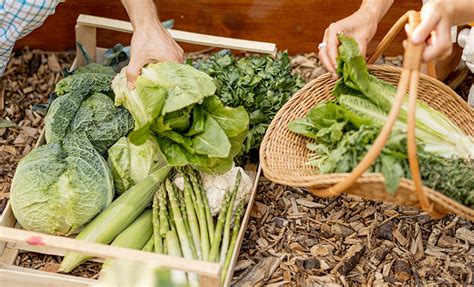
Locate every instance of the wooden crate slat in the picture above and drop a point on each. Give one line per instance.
(14, 276)
(107, 251)
(182, 36)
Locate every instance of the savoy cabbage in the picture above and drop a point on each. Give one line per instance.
(59, 187)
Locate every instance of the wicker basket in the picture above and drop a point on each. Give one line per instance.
(283, 154)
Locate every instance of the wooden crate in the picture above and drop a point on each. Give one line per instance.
(13, 239)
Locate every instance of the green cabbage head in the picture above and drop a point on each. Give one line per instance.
(59, 187)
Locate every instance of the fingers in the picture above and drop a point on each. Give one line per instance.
(332, 44)
(440, 46)
(133, 70)
(362, 46)
(429, 20)
(324, 57)
(179, 54)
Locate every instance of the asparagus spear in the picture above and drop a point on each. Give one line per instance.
(191, 215)
(178, 225)
(174, 249)
(201, 214)
(209, 219)
(149, 245)
(214, 253)
(163, 211)
(182, 207)
(201, 197)
(179, 222)
(233, 241)
(157, 240)
(230, 209)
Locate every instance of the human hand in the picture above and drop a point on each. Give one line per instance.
(435, 29)
(361, 25)
(151, 44)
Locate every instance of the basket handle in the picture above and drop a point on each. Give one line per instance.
(409, 75)
(388, 39)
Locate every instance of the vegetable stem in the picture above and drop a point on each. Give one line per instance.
(157, 240)
(163, 211)
(179, 222)
(230, 209)
(201, 198)
(191, 215)
(233, 241)
(201, 214)
(149, 246)
(221, 221)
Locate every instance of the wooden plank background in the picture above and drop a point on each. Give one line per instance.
(294, 25)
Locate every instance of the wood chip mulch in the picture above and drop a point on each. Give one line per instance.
(51, 263)
(294, 239)
(29, 78)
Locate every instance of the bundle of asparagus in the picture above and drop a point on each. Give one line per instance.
(183, 225)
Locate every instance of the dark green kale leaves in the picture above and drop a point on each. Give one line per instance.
(260, 84)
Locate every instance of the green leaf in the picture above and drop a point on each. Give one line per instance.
(261, 84)
(303, 127)
(327, 113)
(144, 103)
(197, 125)
(72, 90)
(236, 143)
(184, 84)
(232, 120)
(213, 141)
(392, 171)
(178, 120)
(178, 138)
(176, 155)
(364, 109)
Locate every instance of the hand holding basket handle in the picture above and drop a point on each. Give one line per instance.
(409, 78)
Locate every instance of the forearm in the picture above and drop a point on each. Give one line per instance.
(376, 8)
(142, 13)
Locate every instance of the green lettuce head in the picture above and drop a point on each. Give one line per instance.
(175, 104)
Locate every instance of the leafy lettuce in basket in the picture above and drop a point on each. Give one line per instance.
(344, 129)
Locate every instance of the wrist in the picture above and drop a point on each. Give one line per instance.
(142, 13)
(375, 9)
(457, 12)
(147, 25)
